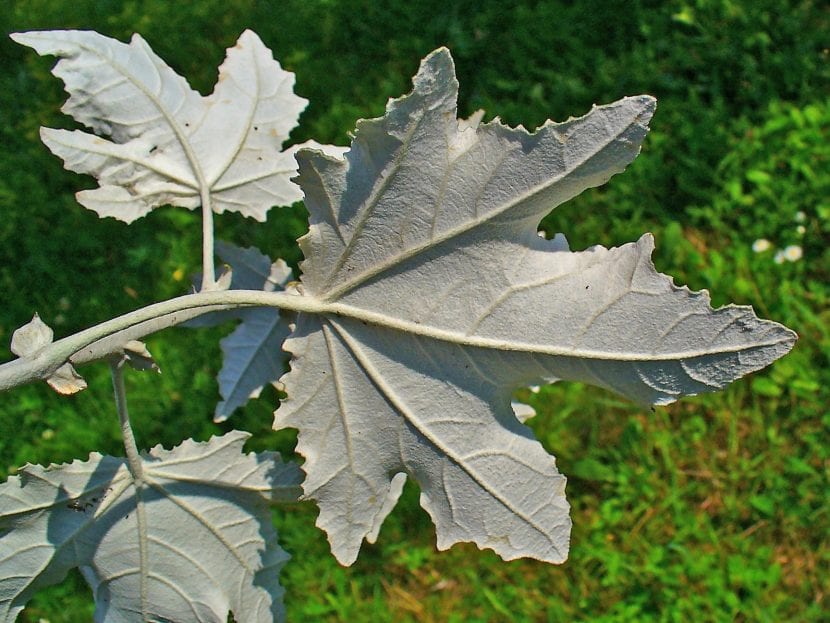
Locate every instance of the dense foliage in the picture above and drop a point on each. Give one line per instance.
(713, 509)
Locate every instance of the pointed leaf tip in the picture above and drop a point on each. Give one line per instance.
(437, 71)
(438, 59)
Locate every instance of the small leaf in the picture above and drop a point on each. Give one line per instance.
(253, 357)
(138, 357)
(66, 380)
(191, 542)
(169, 144)
(252, 354)
(31, 337)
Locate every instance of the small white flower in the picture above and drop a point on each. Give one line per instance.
(761, 245)
(801, 230)
(793, 253)
(800, 217)
(779, 257)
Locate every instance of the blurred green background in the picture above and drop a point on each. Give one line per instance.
(712, 509)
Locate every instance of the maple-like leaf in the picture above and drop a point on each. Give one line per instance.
(190, 542)
(431, 298)
(169, 144)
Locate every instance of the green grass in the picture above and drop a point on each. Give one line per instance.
(712, 509)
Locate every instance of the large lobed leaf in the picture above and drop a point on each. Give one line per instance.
(191, 542)
(437, 299)
(169, 144)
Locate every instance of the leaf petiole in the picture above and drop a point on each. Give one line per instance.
(136, 471)
(208, 269)
(133, 458)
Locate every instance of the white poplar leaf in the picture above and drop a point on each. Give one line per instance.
(432, 298)
(190, 542)
(169, 144)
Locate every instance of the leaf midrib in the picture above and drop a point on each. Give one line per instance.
(242, 135)
(312, 305)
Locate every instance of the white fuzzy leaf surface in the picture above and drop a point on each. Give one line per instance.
(191, 543)
(252, 358)
(169, 144)
(252, 354)
(434, 298)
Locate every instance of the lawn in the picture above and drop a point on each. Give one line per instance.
(714, 508)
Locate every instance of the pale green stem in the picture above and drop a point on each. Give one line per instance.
(109, 337)
(208, 270)
(133, 458)
(136, 471)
